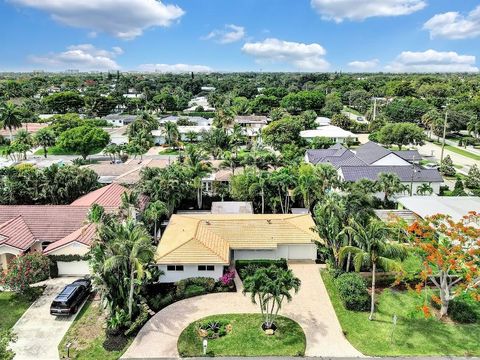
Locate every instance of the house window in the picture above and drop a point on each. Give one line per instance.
(206, 268)
(174, 267)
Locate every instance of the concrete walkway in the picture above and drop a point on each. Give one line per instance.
(311, 308)
(38, 332)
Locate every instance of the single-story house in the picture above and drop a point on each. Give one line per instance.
(202, 245)
(31, 128)
(159, 135)
(56, 229)
(195, 120)
(120, 119)
(254, 121)
(199, 101)
(338, 135)
(374, 154)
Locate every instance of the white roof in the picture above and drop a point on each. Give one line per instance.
(455, 206)
(322, 121)
(183, 130)
(328, 131)
(232, 207)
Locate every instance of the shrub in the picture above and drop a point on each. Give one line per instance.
(194, 290)
(140, 320)
(353, 291)
(24, 270)
(227, 278)
(462, 310)
(248, 267)
(207, 285)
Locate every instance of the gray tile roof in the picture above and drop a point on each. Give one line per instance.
(371, 152)
(337, 155)
(354, 173)
(409, 155)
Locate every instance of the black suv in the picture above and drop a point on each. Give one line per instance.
(71, 298)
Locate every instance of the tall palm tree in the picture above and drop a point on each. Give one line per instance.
(259, 187)
(172, 134)
(45, 138)
(199, 167)
(10, 117)
(129, 203)
(230, 161)
(307, 184)
(133, 250)
(154, 212)
(390, 184)
(373, 249)
(327, 177)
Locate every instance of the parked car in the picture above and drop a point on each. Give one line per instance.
(71, 298)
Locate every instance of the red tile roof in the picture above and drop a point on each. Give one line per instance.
(84, 235)
(46, 222)
(30, 127)
(107, 196)
(16, 233)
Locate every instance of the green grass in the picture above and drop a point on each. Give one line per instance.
(353, 111)
(87, 335)
(12, 307)
(169, 152)
(246, 338)
(413, 335)
(462, 152)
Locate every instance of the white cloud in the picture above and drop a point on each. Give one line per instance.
(174, 68)
(339, 10)
(230, 34)
(432, 61)
(453, 25)
(125, 19)
(364, 65)
(307, 57)
(82, 57)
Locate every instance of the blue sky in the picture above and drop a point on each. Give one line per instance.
(246, 35)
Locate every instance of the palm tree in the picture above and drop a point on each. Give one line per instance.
(195, 158)
(172, 135)
(45, 138)
(133, 250)
(10, 117)
(307, 184)
(270, 287)
(191, 136)
(373, 248)
(327, 176)
(154, 212)
(259, 186)
(237, 138)
(425, 189)
(230, 161)
(129, 203)
(390, 184)
(224, 118)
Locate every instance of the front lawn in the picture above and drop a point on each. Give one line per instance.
(12, 306)
(169, 151)
(246, 338)
(87, 335)
(413, 334)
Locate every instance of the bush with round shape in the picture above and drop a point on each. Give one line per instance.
(462, 310)
(353, 291)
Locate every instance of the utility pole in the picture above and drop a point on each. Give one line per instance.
(444, 134)
(374, 109)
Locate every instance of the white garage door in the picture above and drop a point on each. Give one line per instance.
(301, 252)
(72, 268)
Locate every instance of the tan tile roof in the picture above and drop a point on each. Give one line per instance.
(84, 235)
(15, 233)
(209, 237)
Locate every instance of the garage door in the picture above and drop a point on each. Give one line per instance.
(72, 268)
(301, 252)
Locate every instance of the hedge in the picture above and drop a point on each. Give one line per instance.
(247, 267)
(353, 291)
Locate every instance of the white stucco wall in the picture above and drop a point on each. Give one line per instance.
(74, 248)
(188, 272)
(289, 252)
(391, 159)
(73, 268)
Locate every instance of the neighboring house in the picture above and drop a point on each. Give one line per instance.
(119, 119)
(455, 206)
(195, 120)
(199, 101)
(56, 229)
(159, 135)
(251, 121)
(125, 173)
(31, 128)
(322, 121)
(202, 245)
(336, 134)
(232, 207)
(370, 160)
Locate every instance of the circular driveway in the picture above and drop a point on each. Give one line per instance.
(311, 308)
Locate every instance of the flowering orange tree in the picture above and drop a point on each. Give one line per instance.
(451, 255)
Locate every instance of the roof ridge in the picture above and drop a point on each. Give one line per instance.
(298, 227)
(205, 245)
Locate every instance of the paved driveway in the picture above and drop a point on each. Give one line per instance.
(38, 332)
(311, 308)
